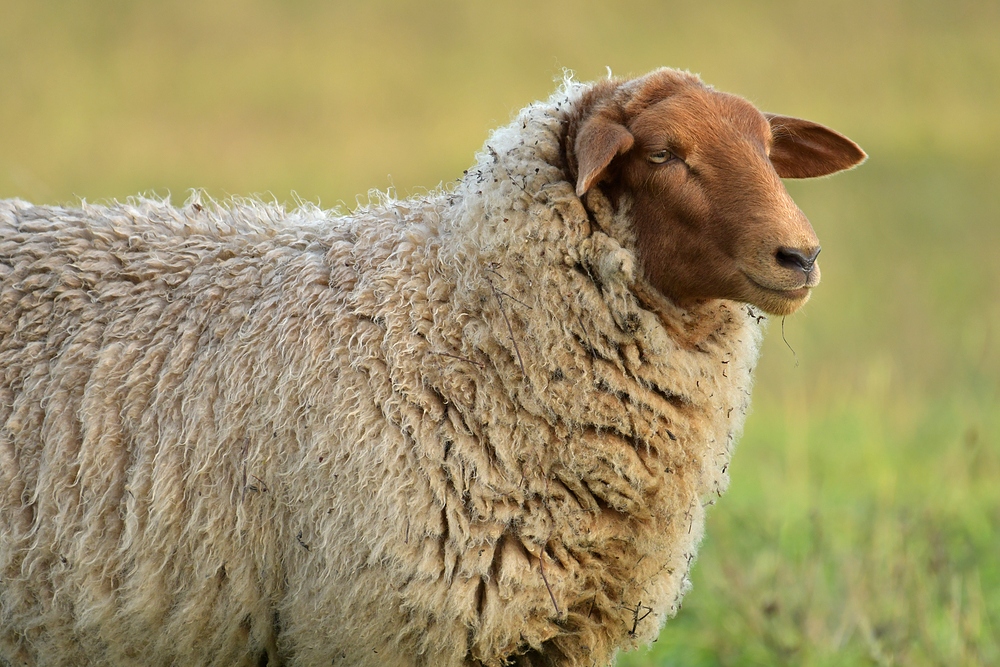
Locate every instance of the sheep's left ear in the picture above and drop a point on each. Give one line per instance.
(803, 149)
(598, 142)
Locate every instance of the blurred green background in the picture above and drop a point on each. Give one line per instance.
(862, 526)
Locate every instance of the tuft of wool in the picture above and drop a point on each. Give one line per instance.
(455, 430)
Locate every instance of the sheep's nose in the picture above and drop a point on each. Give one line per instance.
(801, 259)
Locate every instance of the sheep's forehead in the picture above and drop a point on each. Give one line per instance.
(693, 114)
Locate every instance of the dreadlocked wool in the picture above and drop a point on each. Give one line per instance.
(459, 429)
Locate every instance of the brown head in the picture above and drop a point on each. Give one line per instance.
(699, 173)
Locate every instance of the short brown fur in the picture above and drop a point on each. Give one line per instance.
(699, 173)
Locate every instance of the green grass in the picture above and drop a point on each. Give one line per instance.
(862, 526)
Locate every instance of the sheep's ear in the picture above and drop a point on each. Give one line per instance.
(597, 143)
(803, 149)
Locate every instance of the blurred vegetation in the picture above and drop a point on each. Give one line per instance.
(863, 522)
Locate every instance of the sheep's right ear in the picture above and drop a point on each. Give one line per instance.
(804, 149)
(597, 143)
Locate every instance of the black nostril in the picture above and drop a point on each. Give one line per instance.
(800, 260)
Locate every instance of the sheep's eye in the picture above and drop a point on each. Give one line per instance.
(659, 157)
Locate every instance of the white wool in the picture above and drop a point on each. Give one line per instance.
(459, 429)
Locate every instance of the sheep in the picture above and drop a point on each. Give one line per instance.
(478, 427)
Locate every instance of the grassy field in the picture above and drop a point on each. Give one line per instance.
(862, 526)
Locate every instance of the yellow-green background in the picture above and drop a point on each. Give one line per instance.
(863, 522)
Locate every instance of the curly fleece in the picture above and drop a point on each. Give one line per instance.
(453, 430)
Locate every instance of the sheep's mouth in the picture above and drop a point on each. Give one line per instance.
(793, 293)
(790, 294)
(779, 301)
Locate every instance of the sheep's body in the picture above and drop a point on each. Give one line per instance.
(459, 430)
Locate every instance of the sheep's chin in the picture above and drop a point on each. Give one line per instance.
(776, 301)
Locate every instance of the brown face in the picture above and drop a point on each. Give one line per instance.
(699, 173)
